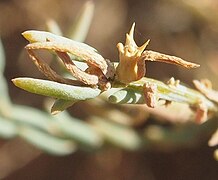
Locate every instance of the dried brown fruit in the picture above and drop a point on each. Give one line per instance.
(132, 59)
(131, 66)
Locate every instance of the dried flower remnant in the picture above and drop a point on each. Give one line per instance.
(173, 82)
(150, 93)
(205, 87)
(201, 113)
(132, 59)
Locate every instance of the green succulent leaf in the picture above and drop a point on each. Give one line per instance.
(179, 136)
(32, 117)
(5, 101)
(7, 128)
(56, 90)
(34, 36)
(2, 57)
(60, 105)
(117, 134)
(127, 96)
(78, 130)
(80, 28)
(46, 142)
(53, 27)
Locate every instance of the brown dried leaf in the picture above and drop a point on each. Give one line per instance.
(76, 72)
(90, 56)
(98, 73)
(48, 72)
(92, 76)
(156, 56)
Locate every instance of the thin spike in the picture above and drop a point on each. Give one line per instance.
(131, 32)
(142, 48)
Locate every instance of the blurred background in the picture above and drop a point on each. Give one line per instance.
(185, 28)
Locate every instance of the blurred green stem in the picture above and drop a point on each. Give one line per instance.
(133, 93)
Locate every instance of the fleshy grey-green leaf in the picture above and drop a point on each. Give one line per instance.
(127, 96)
(60, 105)
(2, 57)
(117, 134)
(7, 128)
(53, 27)
(46, 142)
(5, 101)
(33, 117)
(80, 28)
(78, 130)
(56, 90)
(34, 36)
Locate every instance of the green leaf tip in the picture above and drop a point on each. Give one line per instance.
(60, 105)
(53, 27)
(80, 28)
